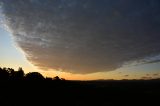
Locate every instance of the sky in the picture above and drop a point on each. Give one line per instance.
(82, 40)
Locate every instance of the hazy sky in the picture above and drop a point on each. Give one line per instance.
(82, 39)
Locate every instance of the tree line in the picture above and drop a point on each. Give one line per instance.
(9, 74)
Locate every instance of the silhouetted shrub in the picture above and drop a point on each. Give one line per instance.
(34, 76)
(62, 79)
(57, 78)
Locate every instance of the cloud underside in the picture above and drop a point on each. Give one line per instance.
(84, 36)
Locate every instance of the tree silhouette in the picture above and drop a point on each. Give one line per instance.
(16, 75)
(57, 78)
(12, 75)
(4, 75)
(34, 76)
(19, 75)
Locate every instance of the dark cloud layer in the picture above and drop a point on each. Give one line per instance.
(84, 36)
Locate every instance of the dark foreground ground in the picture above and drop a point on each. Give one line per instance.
(80, 93)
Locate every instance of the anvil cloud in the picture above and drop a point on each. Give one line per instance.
(84, 36)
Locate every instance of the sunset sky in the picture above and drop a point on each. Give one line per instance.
(82, 39)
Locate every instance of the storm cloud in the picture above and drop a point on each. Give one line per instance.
(84, 36)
